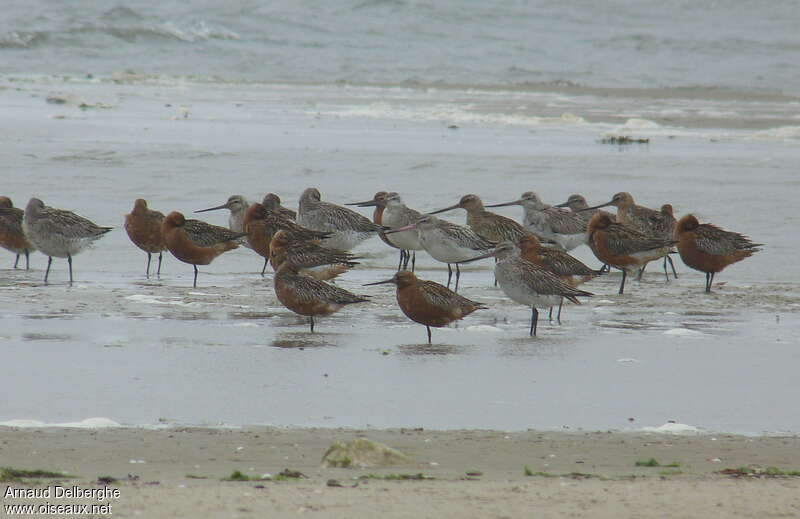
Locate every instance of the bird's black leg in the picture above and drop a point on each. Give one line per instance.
(69, 261)
(194, 284)
(312, 323)
(449, 274)
(458, 275)
(560, 304)
(429, 333)
(671, 264)
(158, 272)
(622, 284)
(147, 270)
(47, 272)
(534, 320)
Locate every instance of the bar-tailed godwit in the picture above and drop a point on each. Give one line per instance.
(12, 237)
(447, 242)
(272, 202)
(391, 212)
(261, 224)
(143, 226)
(568, 268)
(486, 224)
(564, 228)
(623, 246)
(237, 205)
(308, 256)
(195, 242)
(348, 227)
(310, 297)
(707, 248)
(58, 233)
(658, 224)
(529, 284)
(429, 303)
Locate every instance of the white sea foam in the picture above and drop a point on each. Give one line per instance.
(89, 423)
(683, 332)
(782, 133)
(151, 300)
(448, 113)
(673, 428)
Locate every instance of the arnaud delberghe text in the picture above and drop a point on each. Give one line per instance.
(59, 492)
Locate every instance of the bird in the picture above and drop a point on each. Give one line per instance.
(309, 256)
(348, 227)
(529, 284)
(261, 224)
(653, 223)
(310, 297)
(578, 205)
(490, 226)
(391, 212)
(446, 242)
(143, 226)
(570, 269)
(564, 228)
(58, 233)
(707, 248)
(237, 205)
(272, 202)
(623, 246)
(429, 303)
(196, 242)
(12, 237)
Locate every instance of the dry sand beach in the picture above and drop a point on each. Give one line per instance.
(177, 473)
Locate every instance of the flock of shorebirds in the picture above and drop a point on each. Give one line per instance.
(309, 247)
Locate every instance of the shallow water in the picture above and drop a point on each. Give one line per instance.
(145, 352)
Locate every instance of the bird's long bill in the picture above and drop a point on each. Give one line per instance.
(223, 206)
(401, 229)
(476, 258)
(456, 206)
(390, 280)
(596, 206)
(365, 203)
(565, 204)
(515, 202)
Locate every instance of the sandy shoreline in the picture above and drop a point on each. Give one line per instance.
(159, 473)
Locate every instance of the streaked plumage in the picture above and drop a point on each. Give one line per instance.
(348, 227)
(529, 284)
(12, 237)
(707, 248)
(568, 268)
(391, 212)
(143, 226)
(550, 223)
(622, 246)
(447, 242)
(429, 303)
(307, 296)
(196, 242)
(58, 233)
(653, 223)
(486, 224)
(272, 203)
(306, 255)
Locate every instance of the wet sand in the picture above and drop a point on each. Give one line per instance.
(177, 472)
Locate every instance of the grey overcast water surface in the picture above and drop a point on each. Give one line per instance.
(144, 352)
